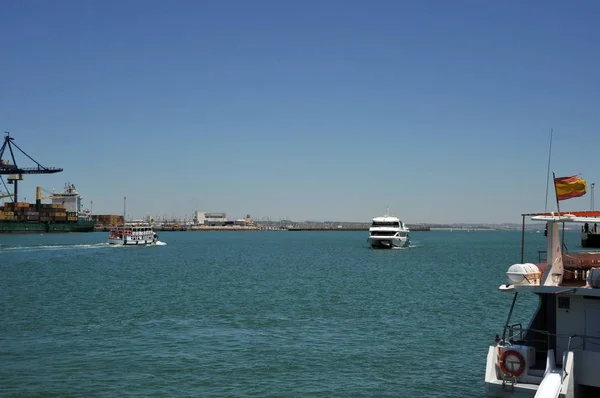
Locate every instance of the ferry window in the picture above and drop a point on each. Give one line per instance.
(386, 224)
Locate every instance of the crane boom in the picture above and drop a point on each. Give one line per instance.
(14, 172)
(38, 195)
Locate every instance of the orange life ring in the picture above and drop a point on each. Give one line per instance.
(504, 359)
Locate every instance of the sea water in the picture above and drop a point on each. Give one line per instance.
(255, 314)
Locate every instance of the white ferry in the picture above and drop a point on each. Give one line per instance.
(558, 353)
(133, 233)
(388, 232)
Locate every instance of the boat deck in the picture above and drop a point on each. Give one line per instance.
(576, 266)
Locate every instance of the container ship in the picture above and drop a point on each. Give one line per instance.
(64, 214)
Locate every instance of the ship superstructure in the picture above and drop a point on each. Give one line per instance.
(70, 199)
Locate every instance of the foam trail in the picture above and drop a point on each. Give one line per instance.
(54, 247)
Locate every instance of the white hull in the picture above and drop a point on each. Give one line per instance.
(388, 242)
(132, 234)
(127, 242)
(551, 381)
(388, 233)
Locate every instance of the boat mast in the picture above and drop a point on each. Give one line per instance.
(124, 208)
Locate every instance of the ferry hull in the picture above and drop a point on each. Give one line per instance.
(388, 242)
(122, 242)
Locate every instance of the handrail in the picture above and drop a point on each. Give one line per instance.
(511, 331)
(566, 355)
(544, 254)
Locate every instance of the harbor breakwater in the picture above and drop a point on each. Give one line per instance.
(254, 228)
(259, 228)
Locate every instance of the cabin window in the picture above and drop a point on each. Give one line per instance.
(564, 303)
(386, 224)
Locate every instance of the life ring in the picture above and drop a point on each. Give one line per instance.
(511, 357)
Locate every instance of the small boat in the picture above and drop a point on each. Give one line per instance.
(558, 353)
(388, 232)
(133, 233)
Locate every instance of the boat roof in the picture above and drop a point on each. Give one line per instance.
(386, 219)
(570, 216)
(135, 224)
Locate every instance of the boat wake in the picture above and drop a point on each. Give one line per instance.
(159, 243)
(46, 247)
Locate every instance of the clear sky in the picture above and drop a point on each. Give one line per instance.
(320, 110)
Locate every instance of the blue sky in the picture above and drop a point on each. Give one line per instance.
(321, 110)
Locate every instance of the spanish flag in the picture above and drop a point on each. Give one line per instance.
(569, 187)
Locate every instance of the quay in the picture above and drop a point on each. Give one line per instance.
(258, 228)
(412, 228)
(208, 228)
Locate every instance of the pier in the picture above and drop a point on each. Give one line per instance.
(258, 228)
(363, 229)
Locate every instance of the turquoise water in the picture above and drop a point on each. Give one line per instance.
(254, 314)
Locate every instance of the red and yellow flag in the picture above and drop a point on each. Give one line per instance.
(569, 187)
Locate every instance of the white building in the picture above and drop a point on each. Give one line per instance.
(212, 219)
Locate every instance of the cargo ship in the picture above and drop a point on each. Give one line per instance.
(64, 214)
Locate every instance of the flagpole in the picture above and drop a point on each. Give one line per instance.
(562, 243)
(548, 172)
(556, 192)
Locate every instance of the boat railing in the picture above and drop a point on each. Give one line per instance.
(542, 256)
(516, 334)
(515, 330)
(566, 356)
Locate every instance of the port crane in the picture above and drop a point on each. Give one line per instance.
(14, 172)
